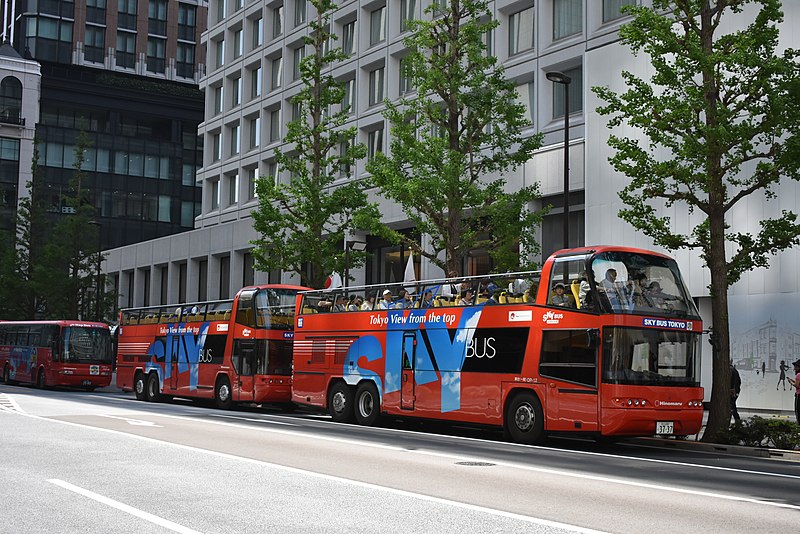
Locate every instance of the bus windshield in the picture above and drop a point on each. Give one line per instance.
(637, 283)
(87, 345)
(275, 308)
(639, 356)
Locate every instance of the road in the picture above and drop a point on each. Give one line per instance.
(104, 462)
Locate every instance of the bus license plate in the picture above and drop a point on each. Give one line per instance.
(665, 427)
(86, 382)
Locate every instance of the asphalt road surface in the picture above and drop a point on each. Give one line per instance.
(104, 462)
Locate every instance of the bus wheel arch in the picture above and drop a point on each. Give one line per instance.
(153, 389)
(140, 385)
(41, 379)
(367, 403)
(223, 394)
(524, 417)
(340, 402)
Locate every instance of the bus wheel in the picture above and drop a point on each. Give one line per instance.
(367, 405)
(525, 419)
(340, 403)
(41, 380)
(222, 394)
(152, 393)
(139, 387)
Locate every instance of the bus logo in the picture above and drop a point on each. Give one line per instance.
(288, 335)
(222, 327)
(552, 317)
(520, 316)
(299, 322)
(94, 369)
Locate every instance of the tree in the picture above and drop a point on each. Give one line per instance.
(452, 144)
(720, 114)
(68, 263)
(303, 224)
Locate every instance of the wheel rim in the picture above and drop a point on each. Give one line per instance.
(366, 404)
(524, 417)
(338, 402)
(224, 392)
(153, 388)
(139, 386)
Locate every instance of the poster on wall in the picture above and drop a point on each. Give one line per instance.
(765, 340)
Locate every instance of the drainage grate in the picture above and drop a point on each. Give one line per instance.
(475, 464)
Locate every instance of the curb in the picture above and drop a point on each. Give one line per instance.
(718, 448)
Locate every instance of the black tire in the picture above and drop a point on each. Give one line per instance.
(223, 394)
(153, 389)
(340, 403)
(367, 405)
(140, 386)
(524, 422)
(41, 380)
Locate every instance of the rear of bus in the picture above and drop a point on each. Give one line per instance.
(83, 357)
(649, 341)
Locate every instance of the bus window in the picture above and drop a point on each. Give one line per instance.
(91, 345)
(244, 312)
(569, 355)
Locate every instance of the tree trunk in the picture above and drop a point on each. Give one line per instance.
(719, 416)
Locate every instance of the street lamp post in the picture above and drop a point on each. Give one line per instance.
(359, 246)
(563, 79)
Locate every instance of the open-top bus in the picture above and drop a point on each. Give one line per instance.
(56, 353)
(237, 350)
(621, 357)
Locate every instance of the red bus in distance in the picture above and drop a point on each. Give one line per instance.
(603, 341)
(237, 350)
(47, 354)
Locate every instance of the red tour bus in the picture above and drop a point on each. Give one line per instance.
(614, 352)
(56, 353)
(237, 350)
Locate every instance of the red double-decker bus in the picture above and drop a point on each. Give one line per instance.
(603, 341)
(237, 350)
(56, 353)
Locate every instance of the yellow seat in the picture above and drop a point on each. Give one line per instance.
(575, 287)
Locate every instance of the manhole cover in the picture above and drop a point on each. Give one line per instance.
(476, 464)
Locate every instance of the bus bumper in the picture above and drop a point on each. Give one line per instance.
(643, 421)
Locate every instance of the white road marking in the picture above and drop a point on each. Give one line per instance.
(8, 404)
(160, 521)
(134, 422)
(252, 419)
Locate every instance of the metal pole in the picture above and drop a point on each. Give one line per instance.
(566, 164)
(99, 260)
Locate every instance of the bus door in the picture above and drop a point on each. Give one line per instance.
(407, 387)
(244, 352)
(568, 366)
(174, 355)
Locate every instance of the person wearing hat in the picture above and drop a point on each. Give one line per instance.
(560, 298)
(796, 383)
(386, 302)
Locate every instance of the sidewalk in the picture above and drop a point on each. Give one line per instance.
(694, 443)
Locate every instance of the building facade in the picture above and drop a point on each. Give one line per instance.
(254, 49)
(125, 74)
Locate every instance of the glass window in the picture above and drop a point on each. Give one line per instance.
(375, 142)
(300, 8)
(236, 92)
(214, 194)
(569, 355)
(612, 8)
(277, 21)
(258, 32)
(188, 174)
(187, 21)
(218, 102)
(575, 91)
(407, 13)
(255, 132)
(376, 86)
(275, 125)
(235, 139)
(252, 174)
(220, 53)
(405, 77)
(349, 37)
(233, 189)
(525, 97)
(238, 44)
(349, 99)
(216, 147)
(377, 26)
(520, 31)
(567, 18)
(299, 54)
(255, 82)
(277, 72)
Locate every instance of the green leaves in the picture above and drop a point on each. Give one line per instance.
(453, 142)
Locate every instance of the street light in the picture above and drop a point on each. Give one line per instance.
(563, 79)
(359, 246)
(97, 277)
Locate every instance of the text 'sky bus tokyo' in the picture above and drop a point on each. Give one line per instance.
(56, 353)
(237, 350)
(603, 341)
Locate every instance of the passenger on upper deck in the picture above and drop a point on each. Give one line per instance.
(355, 303)
(369, 304)
(341, 303)
(387, 301)
(427, 300)
(467, 298)
(560, 298)
(403, 300)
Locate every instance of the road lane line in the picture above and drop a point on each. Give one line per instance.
(134, 422)
(160, 521)
(8, 404)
